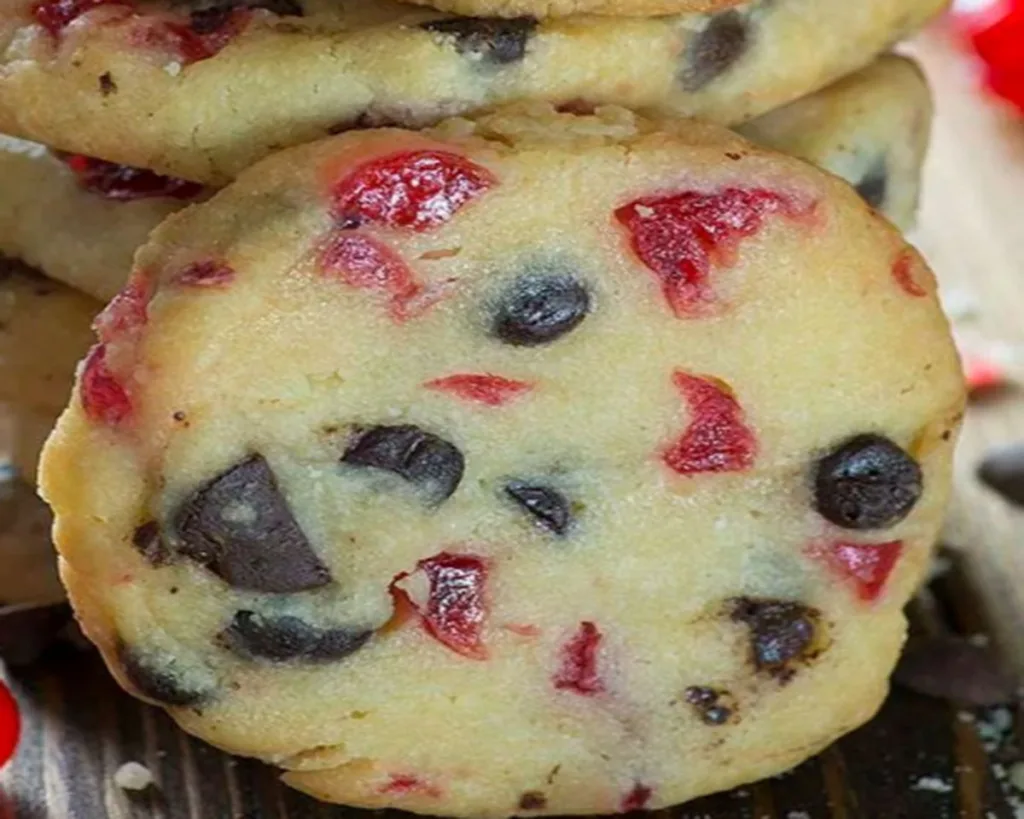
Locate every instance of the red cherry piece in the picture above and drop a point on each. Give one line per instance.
(126, 313)
(402, 784)
(578, 672)
(10, 724)
(636, 799)
(457, 607)
(683, 236)
(123, 183)
(492, 390)
(57, 15)
(903, 273)
(363, 262)
(206, 273)
(189, 42)
(717, 439)
(866, 565)
(104, 400)
(414, 189)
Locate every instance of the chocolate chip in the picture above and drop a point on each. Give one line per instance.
(491, 40)
(953, 668)
(148, 542)
(430, 463)
(533, 800)
(715, 50)
(875, 185)
(780, 632)
(107, 84)
(1002, 469)
(285, 637)
(867, 482)
(707, 703)
(548, 506)
(240, 527)
(160, 678)
(539, 308)
(210, 20)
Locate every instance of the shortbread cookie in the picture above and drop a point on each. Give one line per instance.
(871, 128)
(202, 94)
(565, 8)
(543, 464)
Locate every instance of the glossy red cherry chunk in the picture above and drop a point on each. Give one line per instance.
(717, 438)
(124, 183)
(418, 190)
(578, 672)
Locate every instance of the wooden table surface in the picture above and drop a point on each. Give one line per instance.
(920, 759)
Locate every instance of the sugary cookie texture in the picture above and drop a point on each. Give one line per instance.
(870, 128)
(201, 91)
(540, 464)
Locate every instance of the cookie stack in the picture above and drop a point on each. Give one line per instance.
(470, 431)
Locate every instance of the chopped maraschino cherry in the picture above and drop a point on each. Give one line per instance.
(415, 189)
(125, 183)
(717, 439)
(483, 388)
(57, 15)
(10, 724)
(682, 237)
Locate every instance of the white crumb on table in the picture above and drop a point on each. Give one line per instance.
(934, 784)
(133, 776)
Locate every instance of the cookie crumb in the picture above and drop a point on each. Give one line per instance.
(133, 776)
(934, 784)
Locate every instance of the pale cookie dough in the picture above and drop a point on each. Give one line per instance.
(871, 129)
(565, 8)
(542, 465)
(203, 92)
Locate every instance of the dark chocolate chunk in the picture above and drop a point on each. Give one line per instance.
(491, 40)
(159, 678)
(953, 668)
(430, 463)
(549, 507)
(707, 702)
(533, 800)
(28, 629)
(781, 632)
(148, 541)
(1002, 469)
(715, 50)
(874, 187)
(239, 526)
(539, 308)
(867, 482)
(107, 84)
(285, 637)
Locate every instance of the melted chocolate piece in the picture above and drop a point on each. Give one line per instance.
(239, 526)
(549, 507)
(285, 637)
(491, 40)
(149, 543)
(430, 463)
(867, 482)
(107, 84)
(160, 679)
(538, 309)
(533, 800)
(952, 668)
(781, 632)
(874, 187)
(715, 50)
(706, 702)
(1002, 470)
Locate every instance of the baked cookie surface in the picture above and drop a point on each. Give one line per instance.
(202, 94)
(539, 464)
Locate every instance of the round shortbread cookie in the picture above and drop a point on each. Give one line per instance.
(539, 464)
(202, 94)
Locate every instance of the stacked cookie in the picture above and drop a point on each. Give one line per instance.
(468, 430)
